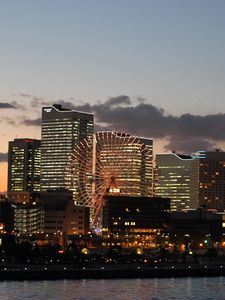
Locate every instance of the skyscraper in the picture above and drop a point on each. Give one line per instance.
(61, 130)
(127, 160)
(211, 183)
(177, 180)
(147, 165)
(24, 165)
(192, 181)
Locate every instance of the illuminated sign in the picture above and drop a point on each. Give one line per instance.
(28, 141)
(47, 110)
(199, 154)
(114, 190)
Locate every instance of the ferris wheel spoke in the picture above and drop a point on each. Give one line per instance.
(98, 210)
(100, 187)
(101, 190)
(98, 205)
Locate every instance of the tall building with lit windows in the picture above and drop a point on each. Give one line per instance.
(211, 181)
(177, 179)
(61, 130)
(24, 158)
(192, 181)
(147, 164)
(127, 160)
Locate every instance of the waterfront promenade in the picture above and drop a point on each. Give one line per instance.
(65, 271)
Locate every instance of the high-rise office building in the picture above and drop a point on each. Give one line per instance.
(24, 158)
(211, 179)
(177, 178)
(192, 181)
(125, 162)
(147, 165)
(62, 129)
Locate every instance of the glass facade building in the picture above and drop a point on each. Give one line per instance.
(28, 218)
(24, 158)
(127, 161)
(192, 181)
(147, 166)
(177, 179)
(62, 129)
(211, 183)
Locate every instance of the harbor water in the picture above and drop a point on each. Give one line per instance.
(206, 288)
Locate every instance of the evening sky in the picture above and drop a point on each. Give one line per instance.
(155, 68)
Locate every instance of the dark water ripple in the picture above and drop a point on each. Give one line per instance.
(132, 289)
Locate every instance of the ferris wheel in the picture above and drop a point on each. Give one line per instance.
(110, 162)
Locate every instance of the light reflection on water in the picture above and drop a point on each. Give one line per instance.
(126, 289)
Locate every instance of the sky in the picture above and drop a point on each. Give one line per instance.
(154, 68)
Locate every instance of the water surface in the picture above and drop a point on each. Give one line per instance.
(126, 289)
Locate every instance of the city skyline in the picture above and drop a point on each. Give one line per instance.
(163, 145)
(153, 69)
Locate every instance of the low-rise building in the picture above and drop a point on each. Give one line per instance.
(134, 221)
(23, 196)
(202, 226)
(28, 218)
(6, 215)
(62, 216)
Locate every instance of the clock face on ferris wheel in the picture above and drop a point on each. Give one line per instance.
(110, 162)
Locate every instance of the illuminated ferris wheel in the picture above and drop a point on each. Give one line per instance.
(110, 162)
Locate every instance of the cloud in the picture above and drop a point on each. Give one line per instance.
(38, 102)
(8, 120)
(18, 105)
(118, 101)
(100, 127)
(4, 105)
(25, 95)
(119, 113)
(184, 133)
(190, 145)
(112, 103)
(35, 101)
(66, 104)
(3, 157)
(31, 122)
